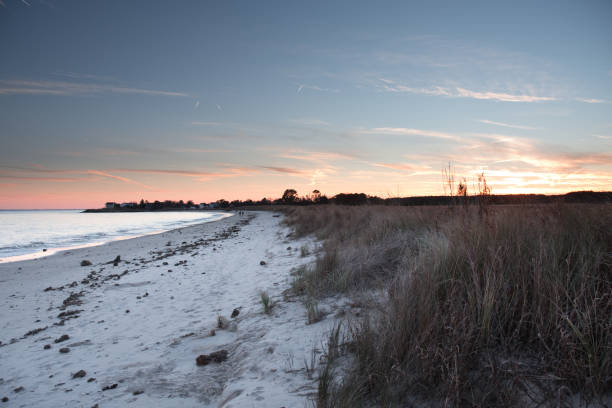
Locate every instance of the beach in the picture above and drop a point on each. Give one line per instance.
(125, 328)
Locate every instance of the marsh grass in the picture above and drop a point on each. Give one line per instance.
(265, 302)
(511, 306)
(314, 315)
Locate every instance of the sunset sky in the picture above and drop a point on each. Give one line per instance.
(200, 100)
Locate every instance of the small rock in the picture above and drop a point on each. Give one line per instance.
(127, 311)
(165, 263)
(288, 248)
(63, 337)
(235, 313)
(222, 322)
(5, 399)
(213, 332)
(47, 346)
(137, 392)
(18, 389)
(64, 350)
(44, 249)
(79, 374)
(262, 263)
(110, 387)
(92, 379)
(216, 357)
(117, 260)
(85, 262)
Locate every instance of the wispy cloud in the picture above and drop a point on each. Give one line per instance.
(123, 179)
(322, 157)
(605, 137)
(44, 179)
(31, 87)
(285, 170)
(309, 122)
(457, 92)
(30, 173)
(412, 132)
(301, 87)
(198, 175)
(499, 96)
(591, 100)
(491, 122)
(78, 75)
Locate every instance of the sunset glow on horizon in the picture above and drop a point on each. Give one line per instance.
(209, 100)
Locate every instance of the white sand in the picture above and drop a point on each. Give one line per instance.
(152, 349)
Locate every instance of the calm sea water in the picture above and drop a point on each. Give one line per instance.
(29, 232)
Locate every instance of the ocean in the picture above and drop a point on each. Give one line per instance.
(26, 233)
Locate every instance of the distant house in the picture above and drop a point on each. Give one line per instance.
(110, 204)
(128, 205)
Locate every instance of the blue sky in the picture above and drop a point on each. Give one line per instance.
(200, 100)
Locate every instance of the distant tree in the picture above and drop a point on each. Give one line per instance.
(142, 203)
(222, 203)
(190, 203)
(289, 196)
(315, 196)
(350, 199)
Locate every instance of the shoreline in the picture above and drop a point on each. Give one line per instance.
(58, 250)
(136, 326)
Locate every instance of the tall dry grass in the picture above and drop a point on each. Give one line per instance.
(508, 307)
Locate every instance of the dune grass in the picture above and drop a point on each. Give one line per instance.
(511, 306)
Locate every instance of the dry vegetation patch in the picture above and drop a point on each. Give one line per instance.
(511, 306)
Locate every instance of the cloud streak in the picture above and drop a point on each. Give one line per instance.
(591, 100)
(30, 87)
(199, 175)
(507, 125)
(458, 92)
(412, 132)
(114, 177)
(284, 170)
(301, 87)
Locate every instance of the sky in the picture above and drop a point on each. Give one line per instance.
(201, 100)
